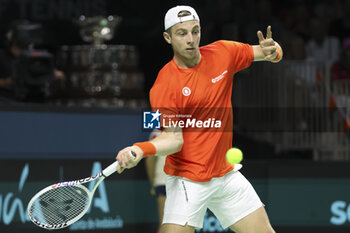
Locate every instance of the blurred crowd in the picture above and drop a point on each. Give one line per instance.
(307, 30)
(315, 30)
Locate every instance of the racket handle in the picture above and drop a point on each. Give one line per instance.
(113, 167)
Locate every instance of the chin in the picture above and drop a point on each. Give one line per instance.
(191, 57)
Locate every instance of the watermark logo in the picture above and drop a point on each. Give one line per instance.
(189, 122)
(187, 119)
(151, 120)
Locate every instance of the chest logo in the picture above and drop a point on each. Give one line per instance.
(186, 91)
(218, 78)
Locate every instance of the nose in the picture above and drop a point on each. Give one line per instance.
(189, 38)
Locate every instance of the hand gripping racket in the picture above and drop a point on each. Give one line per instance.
(60, 205)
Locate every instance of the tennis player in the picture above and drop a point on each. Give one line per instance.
(198, 175)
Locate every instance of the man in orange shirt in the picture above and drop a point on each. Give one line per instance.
(197, 85)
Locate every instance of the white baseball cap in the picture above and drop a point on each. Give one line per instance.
(171, 17)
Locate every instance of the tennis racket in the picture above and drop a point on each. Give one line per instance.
(60, 205)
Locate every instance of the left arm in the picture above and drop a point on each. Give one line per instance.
(268, 49)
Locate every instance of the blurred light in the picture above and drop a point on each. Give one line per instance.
(105, 31)
(103, 22)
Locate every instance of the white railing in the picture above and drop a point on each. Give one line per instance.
(288, 105)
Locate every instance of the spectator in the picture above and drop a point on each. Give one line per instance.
(302, 14)
(294, 46)
(16, 45)
(341, 68)
(321, 47)
(262, 17)
(341, 27)
(6, 82)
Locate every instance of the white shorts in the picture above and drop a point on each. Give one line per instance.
(230, 198)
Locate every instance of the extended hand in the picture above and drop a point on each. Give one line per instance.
(267, 44)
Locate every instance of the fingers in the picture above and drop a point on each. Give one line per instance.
(270, 57)
(127, 159)
(268, 50)
(267, 42)
(268, 32)
(120, 170)
(260, 36)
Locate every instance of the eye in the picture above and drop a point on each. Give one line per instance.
(181, 32)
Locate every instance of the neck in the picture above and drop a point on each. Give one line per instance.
(184, 63)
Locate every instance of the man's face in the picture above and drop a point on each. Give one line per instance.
(185, 38)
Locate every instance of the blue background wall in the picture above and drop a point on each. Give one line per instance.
(99, 134)
(40, 147)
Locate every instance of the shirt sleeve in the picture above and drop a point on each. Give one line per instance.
(241, 54)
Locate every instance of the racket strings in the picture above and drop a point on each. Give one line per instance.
(60, 205)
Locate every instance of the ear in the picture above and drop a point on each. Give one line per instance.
(167, 37)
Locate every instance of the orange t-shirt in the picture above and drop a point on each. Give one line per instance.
(202, 92)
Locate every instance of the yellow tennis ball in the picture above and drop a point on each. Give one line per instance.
(234, 155)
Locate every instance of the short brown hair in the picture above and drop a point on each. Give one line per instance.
(183, 13)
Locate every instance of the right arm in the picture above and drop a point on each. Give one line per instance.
(168, 142)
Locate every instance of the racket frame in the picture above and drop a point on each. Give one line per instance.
(99, 177)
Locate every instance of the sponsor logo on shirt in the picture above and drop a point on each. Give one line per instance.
(186, 91)
(218, 78)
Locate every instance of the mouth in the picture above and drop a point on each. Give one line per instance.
(190, 49)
